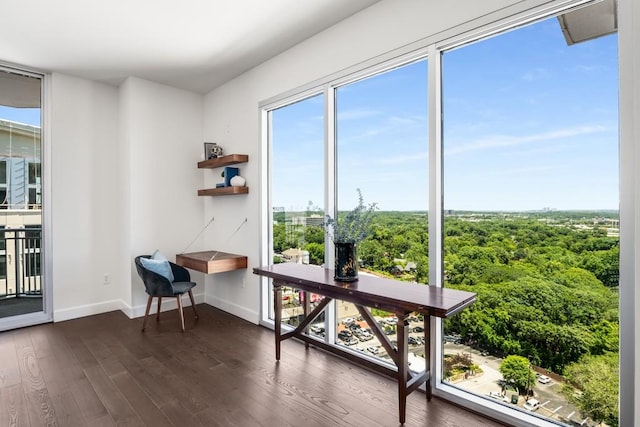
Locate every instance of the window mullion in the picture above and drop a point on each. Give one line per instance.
(434, 85)
(330, 195)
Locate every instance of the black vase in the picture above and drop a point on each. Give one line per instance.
(346, 262)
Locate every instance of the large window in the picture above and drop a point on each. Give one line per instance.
(531, 220)
(381, 149)
(297, 192)
(525, 211)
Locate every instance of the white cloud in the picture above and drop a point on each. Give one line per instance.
(498, 141)
(536, 74)
(357, 114)
(402, 158)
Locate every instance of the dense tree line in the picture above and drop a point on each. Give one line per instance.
(546, 289)
(546, 283)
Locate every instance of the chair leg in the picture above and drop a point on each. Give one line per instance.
(158, 312)
(180, 311)
(193, 303)
(146, 313)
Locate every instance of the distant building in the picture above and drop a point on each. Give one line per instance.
(20, 208)
(20, 170)
(297, 255)
(308, 221)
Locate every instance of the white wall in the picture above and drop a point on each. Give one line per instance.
(162, 136)
(124, 182)
(86, 197)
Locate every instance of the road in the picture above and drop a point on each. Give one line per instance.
(554, 404)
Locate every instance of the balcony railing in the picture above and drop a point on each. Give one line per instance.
(20, 262)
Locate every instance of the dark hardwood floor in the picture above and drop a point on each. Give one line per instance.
(102, 371)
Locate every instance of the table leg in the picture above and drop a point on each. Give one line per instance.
(403, 364)
(305, 308)
(427, 353)
(277, 307)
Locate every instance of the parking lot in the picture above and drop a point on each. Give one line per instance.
(548, 392)
(355, 333)
(553, 404)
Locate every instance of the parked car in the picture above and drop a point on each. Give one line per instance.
(456, 339)
(317, 329)
(373, 350)
(496, 395)
(348, 321)
(531, 405)
(543, 379)
(418, 329)
(364, 337)
(343, 335)
(351, 341)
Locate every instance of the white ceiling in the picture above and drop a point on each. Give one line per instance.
(191, 44)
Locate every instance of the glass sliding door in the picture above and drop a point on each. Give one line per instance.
(530, 143)
(22, 290)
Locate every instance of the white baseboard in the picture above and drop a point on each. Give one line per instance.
(87, 310)
(167, 304)
(236, 310)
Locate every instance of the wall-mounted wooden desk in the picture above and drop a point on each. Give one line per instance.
(210, 262)
(397, 297)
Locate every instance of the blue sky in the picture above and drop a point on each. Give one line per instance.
(29, 116)
(529, 123)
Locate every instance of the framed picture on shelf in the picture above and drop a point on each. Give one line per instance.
(208, 150)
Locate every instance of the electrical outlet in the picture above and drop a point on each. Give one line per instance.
(106, 279)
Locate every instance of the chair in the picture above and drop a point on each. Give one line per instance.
(156, 285)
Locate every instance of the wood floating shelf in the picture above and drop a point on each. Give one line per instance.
(210, 262)
(219, 162)
(223, 191)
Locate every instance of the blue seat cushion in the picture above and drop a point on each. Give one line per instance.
(159, 266)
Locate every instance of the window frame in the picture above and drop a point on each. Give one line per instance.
(46, 315)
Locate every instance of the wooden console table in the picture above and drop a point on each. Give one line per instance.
(399, 298)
